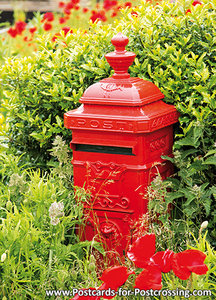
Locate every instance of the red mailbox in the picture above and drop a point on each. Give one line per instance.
(118, 136)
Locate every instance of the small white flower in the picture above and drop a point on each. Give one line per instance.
(3, 257)
(204, 225)
(55, 211)
(54, 221)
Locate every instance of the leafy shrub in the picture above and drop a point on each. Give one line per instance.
(45, 87)
(175, 50)
(38, 219)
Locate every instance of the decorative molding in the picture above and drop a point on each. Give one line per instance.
(111, 201)
(108, 88)
(109, 171)
(129, 220)
(157, 144)
(110, 232)
(163, 121)
(117, 125)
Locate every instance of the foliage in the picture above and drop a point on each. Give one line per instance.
(21, 38)
(175, 50)
(38, 244)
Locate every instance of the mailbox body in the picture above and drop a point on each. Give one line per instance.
(118, 136)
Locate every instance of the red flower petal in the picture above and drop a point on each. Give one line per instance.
(32, 29)
(62, 20)
(67, 11)
(47, 26)
(12, 32)
(98, 16)
(149, 278)
(115, 276)
(85, 10)
(70, 5)
(196, 2)
(142, 249)
(134, 13)
(163, 259)
(128, 4)
(61, 4)
(188, 261)
(75, 1)
(67, 29)
(114, 14)
(20, 26)
(49, 16)
(200, 270)
(56, 36)
(109, 4)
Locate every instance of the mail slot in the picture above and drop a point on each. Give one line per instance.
(104, 149)
(119, 134)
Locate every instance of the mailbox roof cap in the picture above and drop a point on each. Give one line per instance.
(121, 89)
(123, 92)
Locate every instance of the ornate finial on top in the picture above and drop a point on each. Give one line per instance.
(120, 60)
(120, 41)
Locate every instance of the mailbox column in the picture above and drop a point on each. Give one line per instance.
(118, 136)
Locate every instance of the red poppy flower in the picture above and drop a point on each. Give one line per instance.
(75, 1)
(114, 14)
(134, 13)
(67, 11)
(61, 4)
(113, 278)
(188, 261)
(67, 29)
(85, 10)
(128, 4)
(77, 7)
(49, 16)
(142, 249)
(196, 2)
(119, 7)
(98, 16)
(62, 20)
(20, 26)
(32, 29)
(163, 259)
(188, 11)
(149, 278)
(70, 5)
(12, 32)
(109, 4)
(55, 36)
(25, 39)
(47, 26)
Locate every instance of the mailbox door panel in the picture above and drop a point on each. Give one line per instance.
(111, 228)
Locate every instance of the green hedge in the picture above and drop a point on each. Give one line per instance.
(175, 50)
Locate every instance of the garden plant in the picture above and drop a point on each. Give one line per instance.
(46, 64)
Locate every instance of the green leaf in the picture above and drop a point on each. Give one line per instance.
(210, 161)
